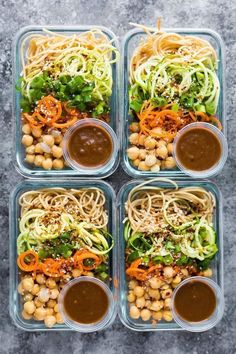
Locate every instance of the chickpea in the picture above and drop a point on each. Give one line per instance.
(38, 149)
(134, 312)
(27, 140)
(76, 273)
(58, 164)
(28, 297)
(170, 162)
(141, 139)
(58, 139)
(134, 138)
(145, 314)
(157, 130)
(28, 284)
(40, 313)
(131, 297)
(51, 303)
(140, 302)
(20, 289)
(146, 296)
(50, 283)
(133, 153)
(150, 143)
(143, 167)
(185, 273)
(150, 160)
(30, 150)
(166, 293)
(134, 127)
(26, 129)
(155, 168)
(167, 303)
(47, 164)
(165, 286)
(56, 308)
(57, 151)
(59, 319)
(142, 154)
(154, 293)
(54, 294)
(167, 315)
(43, 295)
(148, 304)
(37, 132)
(30, 158)
(26, 315)
(157, 305)
(39, 160)
(157, 315)
(50, 321)
(176, 280)
(29, 307)
(155, 283)
(138, 291)
(35, 289)
(49, 311)
(170, 148)
(207, 273)
(38, 303)
(40, 279)
(168, 272)
(136, 162)
(161, 142)
(162, 152)
(133, 284)
(88, 274)
(49, 140)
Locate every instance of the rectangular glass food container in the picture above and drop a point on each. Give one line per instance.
(216, 264)
(31, 171)
(15, 303)
(130, 42)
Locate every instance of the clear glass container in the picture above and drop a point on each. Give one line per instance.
(15, 301)
(85, 169)
(31, 171)
(210, 322)
(214, 170)
(216, 264)
(130, 42)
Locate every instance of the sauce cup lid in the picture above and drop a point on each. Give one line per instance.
(210, 322)
(88, 170)
(224, 150)
(90, 327)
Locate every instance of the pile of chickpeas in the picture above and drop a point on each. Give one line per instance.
(43, 150)
(40, 297)
(148, 153)
(151, 300)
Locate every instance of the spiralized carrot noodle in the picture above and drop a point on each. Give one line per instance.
(165, 123)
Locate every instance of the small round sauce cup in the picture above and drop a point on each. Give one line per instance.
(104, 321)
(211, 321)
(85, 169)
(217, 167)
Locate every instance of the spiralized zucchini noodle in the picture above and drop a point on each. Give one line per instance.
(50, 214)
(170, 221)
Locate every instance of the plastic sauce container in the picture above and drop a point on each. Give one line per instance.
(90, 146)
(214, 316)
(86, 321)
(200, 150)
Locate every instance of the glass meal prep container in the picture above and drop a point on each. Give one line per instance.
(130, 42)
(216, 265)
(31, 171)
(15, 299)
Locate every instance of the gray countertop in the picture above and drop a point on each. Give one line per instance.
(116, 14)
